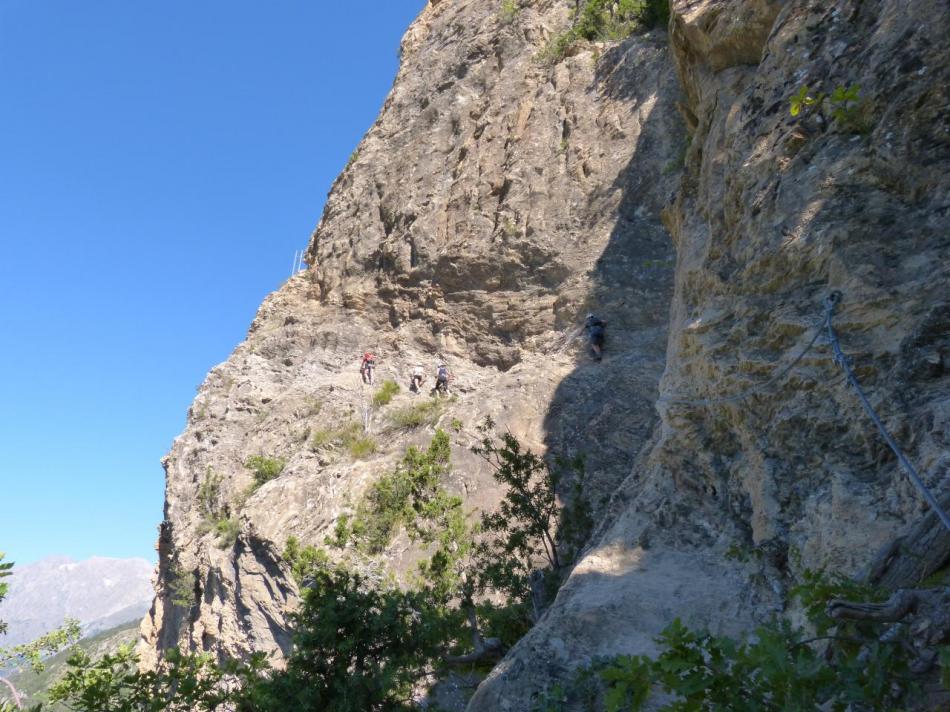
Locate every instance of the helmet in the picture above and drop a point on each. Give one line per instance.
(441, 365)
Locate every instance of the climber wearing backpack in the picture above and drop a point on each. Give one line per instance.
(442, 378)
(417, 377)
(367, 366)
(596, 330)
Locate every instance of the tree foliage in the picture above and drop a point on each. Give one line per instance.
(356, 648)
(6, 569)
(782, 668)
(181, 683)
(536, 529)
(360, 645)
(31, 654)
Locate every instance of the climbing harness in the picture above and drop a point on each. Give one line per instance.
(830, 303)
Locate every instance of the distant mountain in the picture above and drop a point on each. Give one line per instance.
(32, 686)
(100, 592)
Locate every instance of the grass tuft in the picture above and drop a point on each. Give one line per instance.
(348, 437)
(426, 413)
(385, 394)
(265, 468)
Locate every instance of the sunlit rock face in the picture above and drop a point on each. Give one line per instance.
(493, 204)
(661, 183)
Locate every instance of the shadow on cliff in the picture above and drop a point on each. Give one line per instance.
(604, 410)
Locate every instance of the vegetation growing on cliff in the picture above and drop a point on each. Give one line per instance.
(508, 11)
(845, 105)
(406, 497)
(849, 664)
(348, 437)
(216, 513)
(264, 468)
(385, 394)
(417, 415)
(607, 20)
(362, 645)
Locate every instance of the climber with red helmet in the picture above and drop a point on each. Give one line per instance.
(367, 366)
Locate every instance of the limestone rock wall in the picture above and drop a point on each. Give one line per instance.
(662, 183)
(493, 203)
(773, 213)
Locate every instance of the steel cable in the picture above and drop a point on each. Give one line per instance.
(830, 303)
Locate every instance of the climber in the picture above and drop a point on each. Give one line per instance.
(595, 331)
(417, 377)
(442, 378)
(367, 366)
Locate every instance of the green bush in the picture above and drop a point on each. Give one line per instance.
(844, 105)
(209, 493)
(216, 513)
(227, 530)
(385, 394)
(417, 415)
(265, 468)
(341, 533)
(780, 668)
(400, 497)
(508, 11)
(303, 560)
(607, 20)
(181, 586)
(349, 437)
(361, 447)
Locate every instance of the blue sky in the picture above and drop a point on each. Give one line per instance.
(159, 165)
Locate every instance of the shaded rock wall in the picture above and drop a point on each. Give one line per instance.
(772, 214)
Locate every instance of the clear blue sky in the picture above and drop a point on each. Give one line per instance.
(159, 164)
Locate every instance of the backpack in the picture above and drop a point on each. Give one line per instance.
(442, 374)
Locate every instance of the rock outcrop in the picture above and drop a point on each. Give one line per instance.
(495, 201)
(773, 213)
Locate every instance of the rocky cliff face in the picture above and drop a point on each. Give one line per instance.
(495, 201)
(498, 199)
(773, 213)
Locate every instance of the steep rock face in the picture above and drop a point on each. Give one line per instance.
(774, 212)
(493, 203)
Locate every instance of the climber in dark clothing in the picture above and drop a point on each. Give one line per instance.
(442, 378)
(596, 330)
